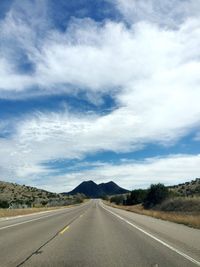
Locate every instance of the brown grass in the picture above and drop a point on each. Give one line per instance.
(16, 212)
(192, 220)
(180, 204)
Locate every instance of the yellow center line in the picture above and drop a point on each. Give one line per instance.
(65, 229)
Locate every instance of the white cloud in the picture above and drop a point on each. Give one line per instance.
(151, 71)
(47, 137)
(163, 12)
(95, 56)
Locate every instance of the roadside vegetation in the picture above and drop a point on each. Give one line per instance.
(20, 199)
(180, 204)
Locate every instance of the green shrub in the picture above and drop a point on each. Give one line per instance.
(105, 197)
(4, 204)
(118, 199)
(44, 202)
(155, 195)
(136, 197)
(79, 198)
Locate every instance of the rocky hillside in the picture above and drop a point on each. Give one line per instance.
(20, 196)
(191, 188)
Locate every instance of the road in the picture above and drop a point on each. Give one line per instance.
(94, 234)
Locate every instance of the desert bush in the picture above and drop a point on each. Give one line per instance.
(105, 197)
(4, 204)
(44, 202)
(118, 199)
(79, 198)
(29, 203)
(197, 190)
(180, 204)
(155, 195)
(136, 197)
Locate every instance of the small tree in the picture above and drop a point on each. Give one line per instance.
(136, 196)
(155, 195)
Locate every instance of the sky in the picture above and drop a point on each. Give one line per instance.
(99, 90)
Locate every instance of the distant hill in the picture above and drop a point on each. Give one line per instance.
(93, 190)
(13, 195)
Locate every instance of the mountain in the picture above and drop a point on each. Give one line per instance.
(111, 188)
(93, 190)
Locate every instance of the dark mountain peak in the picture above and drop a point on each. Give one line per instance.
(89, 182)
(88, 188)
(112, 188)
(91, 189)
(110, 182)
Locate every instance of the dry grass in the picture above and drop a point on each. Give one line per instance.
(192, 219)
(180, 204)
(16, 212)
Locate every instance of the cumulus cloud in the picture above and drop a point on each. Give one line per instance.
(96, 56)
(151, 73)
(151, 70)
(48, 137)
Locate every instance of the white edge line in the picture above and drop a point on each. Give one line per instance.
(2, 219)
(36, 219)
(155, 238)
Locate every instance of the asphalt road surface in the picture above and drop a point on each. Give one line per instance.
(94, 234)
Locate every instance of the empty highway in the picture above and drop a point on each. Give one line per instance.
(94, 234)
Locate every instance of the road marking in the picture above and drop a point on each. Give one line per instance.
(68, 208)
(32, 220)
(65, 229)
(31, 214)
(155, 238)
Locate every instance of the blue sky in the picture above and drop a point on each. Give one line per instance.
(101, 90)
